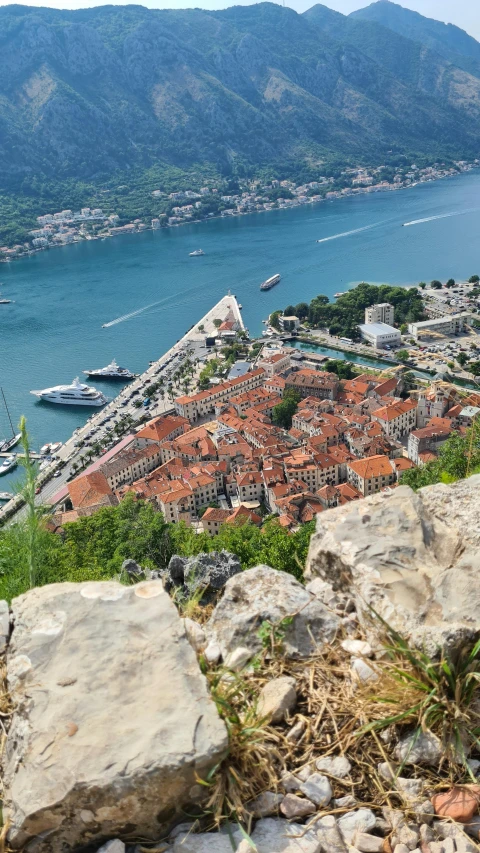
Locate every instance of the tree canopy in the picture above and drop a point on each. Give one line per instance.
(343, 316)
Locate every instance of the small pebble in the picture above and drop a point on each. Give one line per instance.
(318, 789)
(362, 671)
(339, 766)
(296, 807)
(368, 843)
(265, 804)
(357, 647)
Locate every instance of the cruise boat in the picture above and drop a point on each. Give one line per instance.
(75, 394)
(8, 464)
(196, 253)
(270, 282)
(111, 371)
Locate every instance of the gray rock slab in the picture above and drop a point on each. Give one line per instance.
(113, 719)
(261, 595)
(415, 557)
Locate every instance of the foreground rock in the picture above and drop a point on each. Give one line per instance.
(264, 596)
(204, 575)
(414, 557)
(113, 722)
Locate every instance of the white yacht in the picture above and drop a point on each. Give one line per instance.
(196, 253)
(111, 371)
(75, 394)
(8, 464)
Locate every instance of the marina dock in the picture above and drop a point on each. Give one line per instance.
(70, 453)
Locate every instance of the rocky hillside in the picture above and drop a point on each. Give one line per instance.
(447, 40)
(246, 711)
(86, 93)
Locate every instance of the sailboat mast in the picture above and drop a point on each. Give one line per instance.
(8, 413)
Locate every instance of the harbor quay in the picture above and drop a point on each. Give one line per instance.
(70, 454)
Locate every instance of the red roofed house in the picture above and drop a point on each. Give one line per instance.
(370, 475)
(398, 419)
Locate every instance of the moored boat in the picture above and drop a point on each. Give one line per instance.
(8, 464)
(76, 394)
(111, 371)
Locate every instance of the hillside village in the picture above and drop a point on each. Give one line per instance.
(193, 205)
(220, 456)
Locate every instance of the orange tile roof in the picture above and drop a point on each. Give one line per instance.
(374, 466)
(88, 489)
(223, 386)
(160, 428)
(395, 410)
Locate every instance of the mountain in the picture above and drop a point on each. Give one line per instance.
(94, 92)
(447, 40)
(421, 69)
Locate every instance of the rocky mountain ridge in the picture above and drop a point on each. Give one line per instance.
(86, 93)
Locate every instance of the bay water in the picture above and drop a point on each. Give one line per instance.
(62, 297)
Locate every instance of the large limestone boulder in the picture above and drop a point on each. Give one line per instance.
(113, 722)
(414, 557)
(264, 595)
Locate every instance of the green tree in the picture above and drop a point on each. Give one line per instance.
(422, 285)
(403, 329)
(301, 310)
(403, 355)
(450, 282)
(462, 358)
(436, 284)
(474, 279)
(459, 456)
(283, 413)
(343, 369)
(275, 319)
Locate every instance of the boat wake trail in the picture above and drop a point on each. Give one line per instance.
(441, 216)
(152, 305)
(132, 314)
(349, 233)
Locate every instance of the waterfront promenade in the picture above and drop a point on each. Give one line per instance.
(123, 404)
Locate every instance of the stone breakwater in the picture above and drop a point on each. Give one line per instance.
(114, 726)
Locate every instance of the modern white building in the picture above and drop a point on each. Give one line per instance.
(381, 313)
(380, 335)
(449, 325)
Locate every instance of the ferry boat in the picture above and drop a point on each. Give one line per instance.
(270, 282)
(8, 464)
(196, 253)
(75, 394)
(111, 371)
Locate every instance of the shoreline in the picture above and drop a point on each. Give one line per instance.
(354, 194)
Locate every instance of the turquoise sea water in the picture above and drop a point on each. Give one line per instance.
(53, 330)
